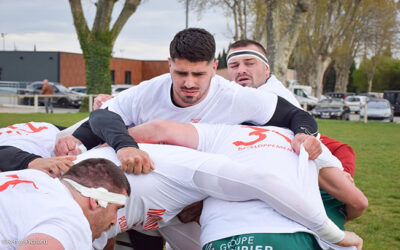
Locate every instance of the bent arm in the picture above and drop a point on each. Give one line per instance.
(39, 241)
(333, 181)
(110, 127)
(166, 132)
(289, 116)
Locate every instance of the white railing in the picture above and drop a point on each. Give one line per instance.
(9, 98)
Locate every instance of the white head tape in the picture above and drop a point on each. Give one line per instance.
(102, 195)
(251, 53)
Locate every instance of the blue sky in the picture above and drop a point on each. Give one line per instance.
(48, 24)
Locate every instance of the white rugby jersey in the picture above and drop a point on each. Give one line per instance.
(269, 149)
(226, 102)
(33, 202)
(273, 85)
(33, 137)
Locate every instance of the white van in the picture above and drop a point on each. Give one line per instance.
(303, 95)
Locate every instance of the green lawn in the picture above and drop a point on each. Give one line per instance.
(377, 147)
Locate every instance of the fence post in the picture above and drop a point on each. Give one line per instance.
(90, 103)
(365, 113)
(35, 103)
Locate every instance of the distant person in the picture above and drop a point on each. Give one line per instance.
(47, 89)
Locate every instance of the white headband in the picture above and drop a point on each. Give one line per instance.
(102, 195)
(251, 53)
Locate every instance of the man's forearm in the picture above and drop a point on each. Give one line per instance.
(289, 116)
(85, 134)
(13, 158)
(109, 127)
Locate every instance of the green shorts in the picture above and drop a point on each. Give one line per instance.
(270, 241)
(334, 209)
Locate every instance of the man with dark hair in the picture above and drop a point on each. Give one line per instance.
(191, 92)
(37, 210)
(195, 46)
(94, 173)
(183, 176)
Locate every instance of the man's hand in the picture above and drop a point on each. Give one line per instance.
(54, 165)
(310, 143)
(67, 145)
(100, 99)
(351, 239)
(134, 160)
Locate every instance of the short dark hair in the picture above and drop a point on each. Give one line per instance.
(193, 44)
(99, 172)
(247, 42)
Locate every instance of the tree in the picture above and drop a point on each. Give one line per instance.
(284, 21)
(379, 33)
(274, 23)
(237, 9)
(324, 31)
(97, 43)
(386, 77)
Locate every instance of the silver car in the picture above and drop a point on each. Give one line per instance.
(355, 102)
(378, 109)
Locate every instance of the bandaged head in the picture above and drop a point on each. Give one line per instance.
(100, 194)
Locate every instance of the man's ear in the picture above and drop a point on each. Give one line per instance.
(169, 63)
(214, 67)
(93, 204)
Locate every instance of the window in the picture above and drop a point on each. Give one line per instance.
(1, 69)
(127, 77)
(113, 76)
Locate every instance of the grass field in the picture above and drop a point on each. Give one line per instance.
(377, 147)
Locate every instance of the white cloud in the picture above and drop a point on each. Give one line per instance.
(146, 35)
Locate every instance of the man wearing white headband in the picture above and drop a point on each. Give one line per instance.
(40, 212)
(248, 66)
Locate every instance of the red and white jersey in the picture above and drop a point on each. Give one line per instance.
(33, 137)
(157, 197)
(268, 149)
(226, 102)
(33, 202)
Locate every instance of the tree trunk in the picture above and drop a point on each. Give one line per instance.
(280, 43)
(97, 56)
(342, 75)
(317, 75)
(97, 44)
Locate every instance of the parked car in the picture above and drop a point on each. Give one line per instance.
(118, 88)
(378, 109)
(333, 108)
(393, 96)
(340, 95)
(78, 89)
(372, 95)
(70, 98)
(355, 100)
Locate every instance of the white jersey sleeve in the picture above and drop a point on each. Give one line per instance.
(257, 106)
(326, 159)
